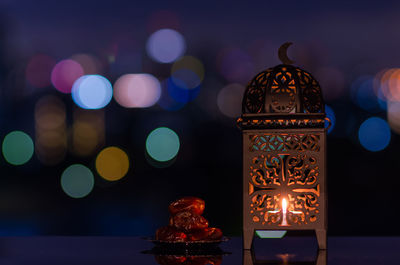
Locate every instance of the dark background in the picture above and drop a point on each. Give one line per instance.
(337, 42)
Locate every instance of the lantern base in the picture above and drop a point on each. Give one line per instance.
(248, 235)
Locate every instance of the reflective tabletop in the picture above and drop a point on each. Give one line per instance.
(136, 250)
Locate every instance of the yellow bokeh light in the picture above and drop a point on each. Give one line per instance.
(112, 163)
(191, 63)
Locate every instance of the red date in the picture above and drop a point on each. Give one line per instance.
(191, 204)
(205, 234)
(188, 221)
(170, 233)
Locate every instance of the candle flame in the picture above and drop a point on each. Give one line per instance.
(284, 206)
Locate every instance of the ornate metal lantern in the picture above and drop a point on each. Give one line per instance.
(284, 152)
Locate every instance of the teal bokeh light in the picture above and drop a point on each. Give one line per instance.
(17, 148)
(77, 181)
(162, 144)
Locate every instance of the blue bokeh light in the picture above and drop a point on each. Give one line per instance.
(162, 144)
(331, 115)
(374, 134)
(166, 101)
(362, 92)
(180, 92)
(187, 76)
(165, 45)
(92, 92)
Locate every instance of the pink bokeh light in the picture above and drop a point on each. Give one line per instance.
(64, 74)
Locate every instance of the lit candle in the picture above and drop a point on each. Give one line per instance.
(284, 211)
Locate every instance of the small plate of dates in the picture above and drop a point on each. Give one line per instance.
(187, 228)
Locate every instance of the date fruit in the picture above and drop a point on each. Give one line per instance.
(170, 233)
(205, 234)
(188, 221)
(191, 204)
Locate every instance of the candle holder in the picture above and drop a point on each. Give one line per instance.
(284, 152)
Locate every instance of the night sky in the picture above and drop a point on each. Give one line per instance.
(340, 43)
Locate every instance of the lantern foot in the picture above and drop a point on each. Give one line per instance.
(321, 257)
(321, 238)
(247, 257)
(248, 238)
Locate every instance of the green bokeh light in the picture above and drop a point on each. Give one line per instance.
(162, 144)
(77, 181)
(17, 148)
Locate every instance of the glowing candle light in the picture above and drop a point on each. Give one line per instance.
(284, 211)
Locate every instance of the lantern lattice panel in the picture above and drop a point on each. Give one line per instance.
(282, 164)
(275, 172)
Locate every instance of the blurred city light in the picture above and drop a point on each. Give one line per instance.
(165, 45)
(17, 148)
(64, 74)
(180, 92)
(362, 93)
(137, 90)
(50, 130)
(331, 115)
(393, 116)
(229, 100)
(162, 144)
(112, 163)
(393, 85)
(77, 181)
(90, 64)
(374, 134)
(88, 131)
(235, 65)
(188, 69)
(92, 92)
(166, 101)
(38, 70)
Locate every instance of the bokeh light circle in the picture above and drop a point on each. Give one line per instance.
(137, 90)
(17, 148)
(92, 92)
(331, 115)
(90, 64)
(112, 163)
(374, 134)
(165, 45)
(64, 74)
(180, 92)
(362, 93)
(77, 181)
(188, 69)
(166, 101)
(393, 116)
(229, 100)
(162, 144)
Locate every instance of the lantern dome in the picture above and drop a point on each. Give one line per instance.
(283, 89)
(284, 96)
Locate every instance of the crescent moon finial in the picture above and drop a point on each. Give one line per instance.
(282, 53)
